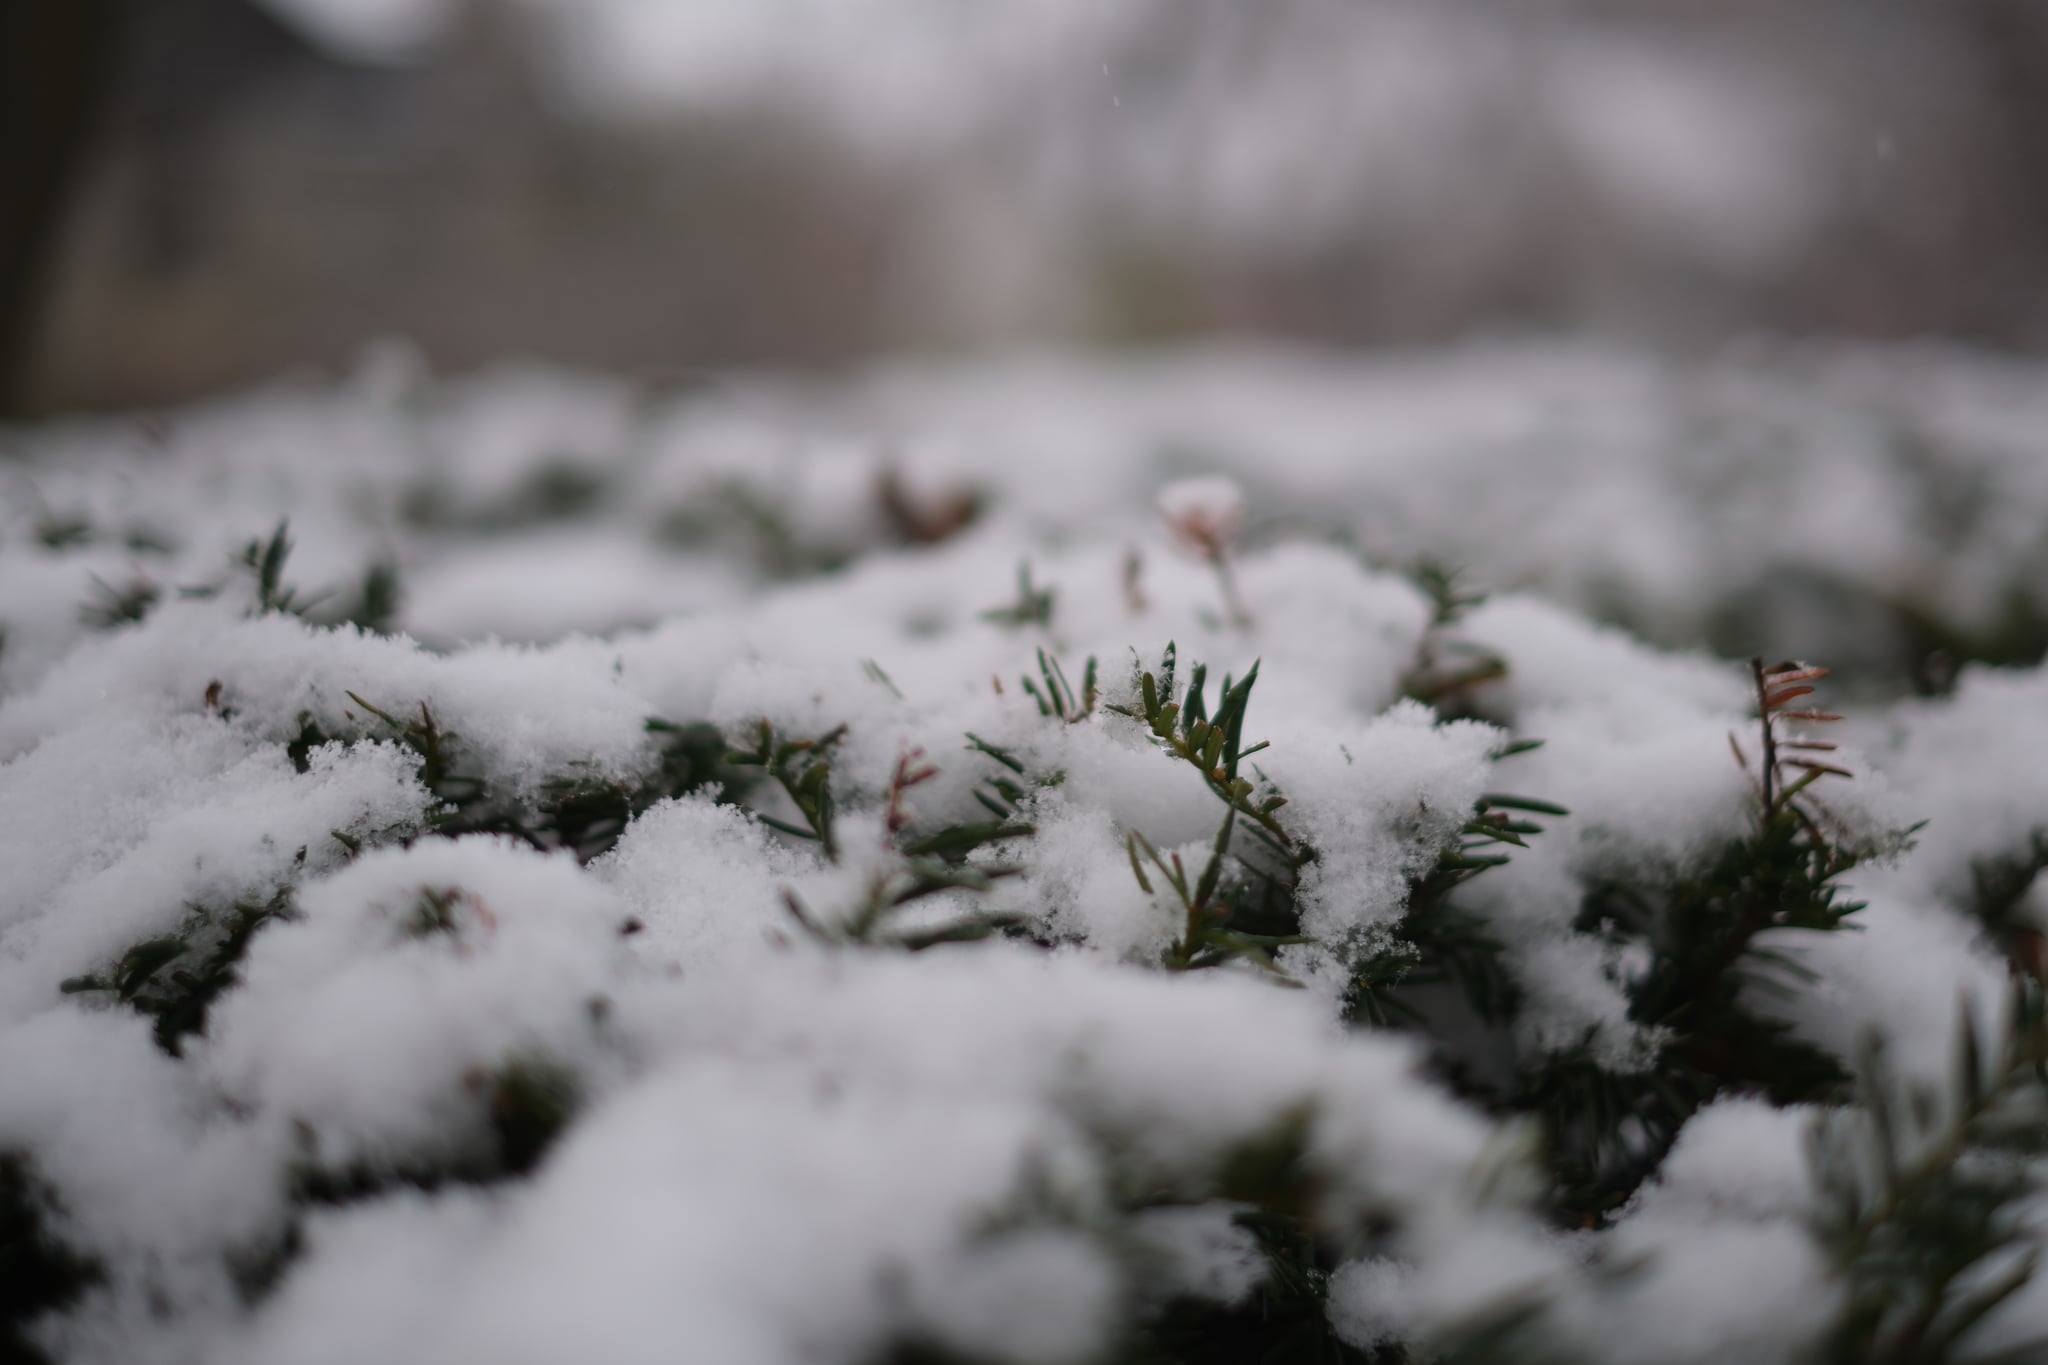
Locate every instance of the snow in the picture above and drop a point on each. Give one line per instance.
(1724, 1225)
(781, 1146)
(805, 1164)
(361, 1027)
(1380, 801)
(691, 872)
(132, 824)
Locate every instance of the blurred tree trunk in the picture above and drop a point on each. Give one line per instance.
(2014, 37)
(53, 60)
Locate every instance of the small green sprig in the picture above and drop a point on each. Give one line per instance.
(1447, 667)
(1247, 914)
(176, 978)
(803, 769)
(1436, 942)
(1032, 607)
(1498, 819)
(1002, 795)
(588, 814)
(372, 605)
(266, 560)
(1213, 744)
(1207, 937)
(1057, 698)
(869, 921)
(925, 865)
(582, 810)
(438, 751)
(375, 608)
(113, 606)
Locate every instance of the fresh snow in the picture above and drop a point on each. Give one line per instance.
(783, 1149)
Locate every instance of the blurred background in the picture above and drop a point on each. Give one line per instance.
(201, 193)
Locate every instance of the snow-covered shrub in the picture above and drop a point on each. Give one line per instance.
(1085, 924)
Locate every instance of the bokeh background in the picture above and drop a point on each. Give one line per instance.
(195, 194)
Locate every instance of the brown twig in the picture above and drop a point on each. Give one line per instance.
(911, 770)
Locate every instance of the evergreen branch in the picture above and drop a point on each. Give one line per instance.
(1913, 1210)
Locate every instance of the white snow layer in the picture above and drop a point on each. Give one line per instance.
(784, 1149)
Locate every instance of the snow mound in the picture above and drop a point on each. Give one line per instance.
(1021, 861)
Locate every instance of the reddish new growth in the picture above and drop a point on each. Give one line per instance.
(924, 516)
(1788, 769)
(911, 769)
(1205, 518)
